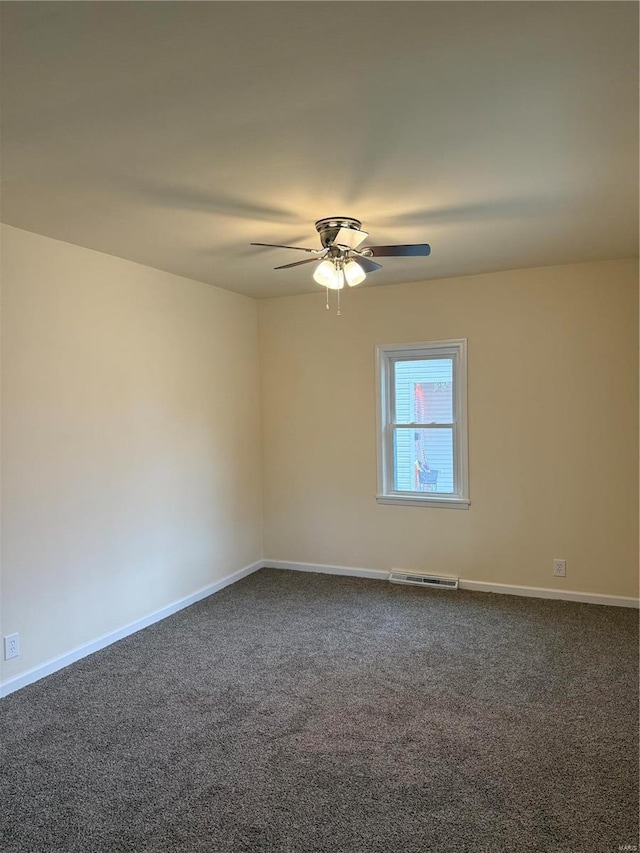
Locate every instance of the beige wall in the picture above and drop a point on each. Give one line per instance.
(130, 455)
(553, 428)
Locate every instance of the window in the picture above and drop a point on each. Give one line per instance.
(422, 424)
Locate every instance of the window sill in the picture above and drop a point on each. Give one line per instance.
(414, 500)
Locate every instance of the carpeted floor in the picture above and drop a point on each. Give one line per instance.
(306, 713)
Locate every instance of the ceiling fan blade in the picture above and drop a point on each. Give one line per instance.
(298, 263)
(366, 263)
(414, 251)
(349, 238)
(279, 246)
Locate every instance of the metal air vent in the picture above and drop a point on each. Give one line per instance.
(415, 579)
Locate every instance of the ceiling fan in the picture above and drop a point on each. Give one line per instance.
(342, 259)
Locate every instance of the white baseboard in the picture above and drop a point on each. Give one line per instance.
(561, 594)
(379, 574)
(60, 662)
(477, 586)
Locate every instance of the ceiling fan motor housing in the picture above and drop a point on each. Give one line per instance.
(328, 228)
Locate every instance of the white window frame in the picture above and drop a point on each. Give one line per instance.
(386, 356)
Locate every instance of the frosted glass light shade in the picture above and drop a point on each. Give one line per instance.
(354, 273)
(328, 275)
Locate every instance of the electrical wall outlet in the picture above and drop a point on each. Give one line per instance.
(11, 646)
(560, 568)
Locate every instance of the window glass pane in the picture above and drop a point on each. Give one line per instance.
(423, 460)
(424, 391)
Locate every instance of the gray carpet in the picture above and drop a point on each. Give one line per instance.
(306, 713)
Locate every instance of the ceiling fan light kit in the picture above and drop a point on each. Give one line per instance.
(341, 260)
(334, 272)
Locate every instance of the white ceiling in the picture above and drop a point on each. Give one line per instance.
(173, 134)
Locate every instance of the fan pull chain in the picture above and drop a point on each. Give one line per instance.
(338, 311)
(327, 305)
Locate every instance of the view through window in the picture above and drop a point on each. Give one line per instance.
(423, 457)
